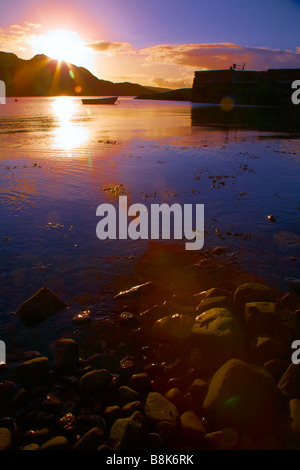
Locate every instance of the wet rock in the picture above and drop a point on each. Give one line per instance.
(225, 439)
(294, 406)
(213, 292)
(91, 440)
(7, 422)
(128, 319)
(218, 336)
(111, 413)
(252, 292)
(37, 436)
(134, 291)
(154, 441)
(198, 390)
(242, 396)
(154, 313)
(67, 424)
(8, 392)
(289, 384)
(265, 348)
(174, 368)
(33, 372)
(66, 352)
(219, 250)
(192, 430)
(94, 382)
(32, 446)
(177, 382)
(158, 385)
(126, 395)
(276, 367)
(56, 443)
(31, 355)
(214, 302)
(82, 318)
(162, 414)
(5, 439)
(129, 433)
(288, 301)
(40, 306)
(154, 371)
(51, 403)
(44, 419)
(127, 367)
(140, 382)
(173, 328)
(260, 317)
(294, 284)
(130, 408)
(175, 396)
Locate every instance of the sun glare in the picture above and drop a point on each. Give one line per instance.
(68, 135)
(61, 45)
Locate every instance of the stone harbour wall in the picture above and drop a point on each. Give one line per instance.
(272, 87)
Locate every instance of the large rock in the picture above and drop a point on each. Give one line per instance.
(33, 372)
(221, 301)
(56, 443)
(5, 439)
(40, 306)
(126, 395)
(260, 318)
(134, 291)
(129, 433)
(294, 406)
(66, 356)
(213, 292)
(91, 440)
(94, 382)
(242, 396)
(173, 328)
(265, 348)
(224, 439)
(192, 430)
(218, 336)
(289, 384)
(252, 292)
(162, 414)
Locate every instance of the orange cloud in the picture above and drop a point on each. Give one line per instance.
(172, 83)
(110, 47)
(15, 37)
(220, 56)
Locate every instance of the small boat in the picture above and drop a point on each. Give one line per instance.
(108, 100)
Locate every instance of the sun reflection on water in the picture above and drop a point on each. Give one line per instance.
(68, 135)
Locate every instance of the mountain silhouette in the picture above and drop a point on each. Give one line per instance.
(43, 76)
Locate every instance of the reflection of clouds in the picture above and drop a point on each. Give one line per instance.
(68, 135)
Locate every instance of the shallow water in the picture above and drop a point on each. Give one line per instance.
(59, 160)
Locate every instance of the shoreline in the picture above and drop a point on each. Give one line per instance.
(149, 378)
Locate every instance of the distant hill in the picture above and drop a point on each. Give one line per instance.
(42, 76)
(181, 94)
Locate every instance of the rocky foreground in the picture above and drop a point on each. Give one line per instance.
(209, 371)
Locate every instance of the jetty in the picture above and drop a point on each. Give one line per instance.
(272, 87)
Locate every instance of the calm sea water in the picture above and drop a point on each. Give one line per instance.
(59, 160)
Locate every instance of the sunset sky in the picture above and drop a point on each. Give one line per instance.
(158, 43)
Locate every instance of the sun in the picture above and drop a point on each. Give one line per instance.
(62, 45)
